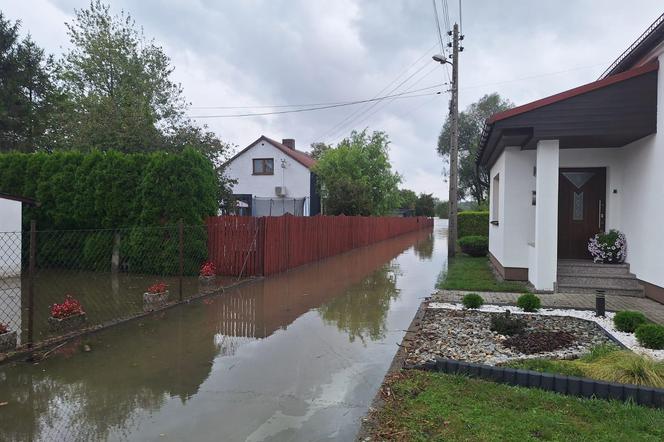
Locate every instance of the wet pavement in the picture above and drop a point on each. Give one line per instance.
(297, 356)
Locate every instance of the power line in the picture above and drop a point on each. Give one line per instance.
(358, 112)
(350, 103)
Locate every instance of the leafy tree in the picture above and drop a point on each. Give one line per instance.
(318, 149)
(26, 90)
(408, 199)
(472, 182)
(356, 177)
(424, 206)
(442, 209)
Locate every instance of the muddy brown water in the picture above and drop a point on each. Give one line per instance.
(297, 356)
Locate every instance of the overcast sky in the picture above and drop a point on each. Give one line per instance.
(279, 52)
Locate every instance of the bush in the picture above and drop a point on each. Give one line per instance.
(529, 302)
(650, 336)
(474, 245)
(628, 321)
(506, 324)
(473, 224)
(472, 300)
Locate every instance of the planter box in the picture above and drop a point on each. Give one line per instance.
(207, 279)
(154, 300)
(8, 342)
(68, 323)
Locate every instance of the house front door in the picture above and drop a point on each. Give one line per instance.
(581, 210)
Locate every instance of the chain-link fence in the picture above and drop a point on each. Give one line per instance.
(61, 282)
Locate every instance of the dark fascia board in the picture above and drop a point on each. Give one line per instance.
(21, 199)
(488, 136)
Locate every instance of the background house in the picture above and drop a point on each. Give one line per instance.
(580, 162)
(273, 179)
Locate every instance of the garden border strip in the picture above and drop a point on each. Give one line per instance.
(53, 342)
(568, 385)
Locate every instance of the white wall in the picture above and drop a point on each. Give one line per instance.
(643, 201)
(10, 237)
(497, 233)
(295, 177)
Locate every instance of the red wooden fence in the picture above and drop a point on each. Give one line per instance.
(241, 245)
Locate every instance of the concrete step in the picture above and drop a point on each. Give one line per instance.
(639, 293)
(592, 269)
(599, 281)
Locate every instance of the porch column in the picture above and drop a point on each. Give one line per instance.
(546, 215)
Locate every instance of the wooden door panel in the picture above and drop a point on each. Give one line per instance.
(581, 209)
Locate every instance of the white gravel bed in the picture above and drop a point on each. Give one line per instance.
(627, 339)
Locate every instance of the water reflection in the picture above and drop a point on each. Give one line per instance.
(148, 368)
(361, 311)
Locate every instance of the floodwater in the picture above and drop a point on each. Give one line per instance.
(297, 356)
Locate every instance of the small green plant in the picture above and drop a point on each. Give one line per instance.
(599, 351)
(628, 321)
(506, 324)
(474, 245)
(529, 302)
(472, 300)
(650, 336)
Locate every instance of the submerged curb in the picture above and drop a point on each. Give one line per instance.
(568, 385)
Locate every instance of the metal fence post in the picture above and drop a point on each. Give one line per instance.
(181, 272)
(31, 280)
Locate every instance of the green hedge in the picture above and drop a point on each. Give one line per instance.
(473, 224)
(144, 193)
(112, 189)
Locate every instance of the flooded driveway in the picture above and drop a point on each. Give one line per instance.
(298, 356)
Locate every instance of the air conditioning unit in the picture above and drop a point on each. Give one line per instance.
(280, 191)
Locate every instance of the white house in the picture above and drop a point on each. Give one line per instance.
(273, 179)
(576, 163)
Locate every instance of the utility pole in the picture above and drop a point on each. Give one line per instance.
(454, 136)
(454, 147)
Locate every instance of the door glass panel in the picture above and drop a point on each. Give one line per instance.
(577, 208)
(578, 178)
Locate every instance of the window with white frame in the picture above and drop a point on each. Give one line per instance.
(495, 198)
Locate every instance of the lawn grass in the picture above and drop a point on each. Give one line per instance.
(425, 406)
(468, 273)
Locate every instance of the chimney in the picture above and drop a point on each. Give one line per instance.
(289, 143)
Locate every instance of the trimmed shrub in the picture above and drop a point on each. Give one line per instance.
(474, 245)
(628, 321)
(529, 302)
(472, 300)
(473, 224)
(506, 324)
(650, 336)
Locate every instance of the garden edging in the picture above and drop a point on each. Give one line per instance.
(568, 385)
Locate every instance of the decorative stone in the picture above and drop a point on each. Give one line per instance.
(154, 300)
(67, 323)
(7, 341)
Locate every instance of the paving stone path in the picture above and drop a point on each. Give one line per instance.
(653, 310)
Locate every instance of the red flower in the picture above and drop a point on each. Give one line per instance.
(3, 328)
(208, 269)
(159, 287)
(70, 307)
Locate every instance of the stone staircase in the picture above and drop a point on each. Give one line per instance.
(578, 276)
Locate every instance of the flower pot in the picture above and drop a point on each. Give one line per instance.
(66, 323)
(8, 342)
(154, 300)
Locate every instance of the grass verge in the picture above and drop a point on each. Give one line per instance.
(425, 406)
(468, 273)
